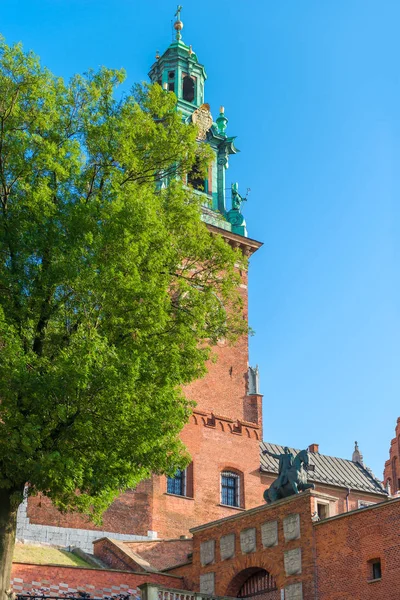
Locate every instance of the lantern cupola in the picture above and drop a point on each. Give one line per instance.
(178, 70)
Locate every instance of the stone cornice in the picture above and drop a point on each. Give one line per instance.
(247, 245)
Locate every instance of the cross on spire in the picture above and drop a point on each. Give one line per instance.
(178, 25)
(178, 12)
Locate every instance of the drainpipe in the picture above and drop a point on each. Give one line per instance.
(347, 499)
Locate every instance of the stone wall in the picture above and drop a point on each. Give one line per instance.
(63, 536)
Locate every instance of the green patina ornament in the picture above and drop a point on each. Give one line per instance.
(292, 477)
(222, 121)
(235, 216)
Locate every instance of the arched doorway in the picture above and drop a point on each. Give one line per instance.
(254, 583)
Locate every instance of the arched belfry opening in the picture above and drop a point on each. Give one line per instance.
(188, 88)
(254, 582)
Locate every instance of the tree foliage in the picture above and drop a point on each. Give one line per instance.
(112, 290)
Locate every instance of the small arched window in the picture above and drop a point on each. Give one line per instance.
(188, 88)
(230, 488)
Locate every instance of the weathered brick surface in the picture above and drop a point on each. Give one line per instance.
(392, 466)
(130, 513)
(346, 544)
(98, 583)
(215, 445)
(163, 554)
(223, 390)
(142, 556)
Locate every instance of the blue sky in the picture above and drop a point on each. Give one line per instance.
(312, 90)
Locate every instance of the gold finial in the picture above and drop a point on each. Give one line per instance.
(178, 25)
(190, 50)
(157, 55)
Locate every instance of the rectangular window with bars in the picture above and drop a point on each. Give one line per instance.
(230, 491)
(177, 485)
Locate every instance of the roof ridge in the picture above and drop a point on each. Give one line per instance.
(320, 453)
(332, 470)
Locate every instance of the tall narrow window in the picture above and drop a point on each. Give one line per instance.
(375, 569)
(177, 484)
(230, 488)
(171, 81)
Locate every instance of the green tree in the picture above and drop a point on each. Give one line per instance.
(112, 290)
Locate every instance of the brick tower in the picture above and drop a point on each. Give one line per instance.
(224, 432)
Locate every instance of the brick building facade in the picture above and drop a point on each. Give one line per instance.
(349, 556)
(281, 551)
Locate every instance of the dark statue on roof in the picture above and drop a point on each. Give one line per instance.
(292, 477)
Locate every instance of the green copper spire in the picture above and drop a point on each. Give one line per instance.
(178, 70)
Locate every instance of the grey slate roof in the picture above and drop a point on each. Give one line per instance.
(328, 470)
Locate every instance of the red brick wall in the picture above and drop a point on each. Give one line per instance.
(392, 466)
(215, 445)
(345, 544)
(163, 554)
(223, 389)
(97, 582)
(131, 513)
(159, 555)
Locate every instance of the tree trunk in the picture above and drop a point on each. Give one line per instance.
(8, 526)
